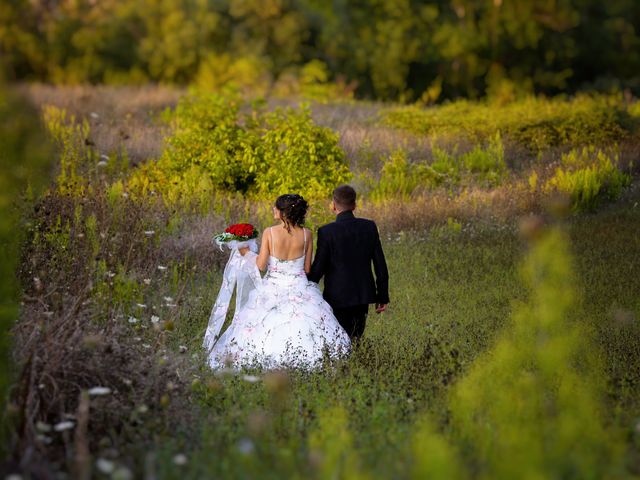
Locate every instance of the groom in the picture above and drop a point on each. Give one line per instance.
(346, 250)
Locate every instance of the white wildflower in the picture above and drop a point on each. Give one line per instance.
(149, 233)
(133, 320)
(250, 378)
(62, 426)
(97, 391)
(146, 345)
(183, 349)
(105, 466)
(102, 163)
(141, 305)
(180, 459)
(147, 281)
(168, 299)
(155, 319)
(245, 446)
(94, 115)
(162, 268)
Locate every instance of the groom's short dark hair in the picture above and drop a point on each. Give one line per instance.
(344, 197)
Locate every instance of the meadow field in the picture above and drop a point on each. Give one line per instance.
(511, 230)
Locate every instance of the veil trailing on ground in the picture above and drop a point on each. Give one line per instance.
(240, 273)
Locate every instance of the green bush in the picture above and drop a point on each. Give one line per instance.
(483, 163)
(531, 406)
(536, 123)
(400, 178)
(589, 176)
(220, 144)
(75, 155)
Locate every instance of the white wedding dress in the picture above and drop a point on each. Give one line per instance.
(281, 320)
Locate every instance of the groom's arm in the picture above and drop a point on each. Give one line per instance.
(381, 271)
(321, 260)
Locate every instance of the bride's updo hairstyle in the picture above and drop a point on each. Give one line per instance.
(293, 209)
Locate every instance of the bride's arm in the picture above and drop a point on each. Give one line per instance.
(263, 256)
(309, 252)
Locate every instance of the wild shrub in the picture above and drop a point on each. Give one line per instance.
(400, 178)
(296, 155)
(311, 81)
(433, 456)
(332, 444)
(247, 73)
(536, 123)
(75, 154)
(220, 144)
(589, 176)
(483, 163)
(532, 404)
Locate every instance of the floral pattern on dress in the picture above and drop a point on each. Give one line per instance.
(285, 321)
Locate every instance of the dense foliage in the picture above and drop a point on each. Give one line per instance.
(589, 176)
(217, 145)
(389, 49)
(536, 123)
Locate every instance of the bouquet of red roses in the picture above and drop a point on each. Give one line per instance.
(237, 236)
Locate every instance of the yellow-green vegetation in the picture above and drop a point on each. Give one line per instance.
(532, 405)
(589, 176)
(400, 178)
(217, 146)
(536, 123)
(388, 49)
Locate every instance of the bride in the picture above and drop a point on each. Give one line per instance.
(283, 320)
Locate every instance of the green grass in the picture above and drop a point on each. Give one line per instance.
(451, 296)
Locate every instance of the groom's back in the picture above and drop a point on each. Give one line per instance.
(347, 249)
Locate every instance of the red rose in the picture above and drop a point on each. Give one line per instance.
(241, 230)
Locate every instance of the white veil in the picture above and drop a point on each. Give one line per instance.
(241, 272)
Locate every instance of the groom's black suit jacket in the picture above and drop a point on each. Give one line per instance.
(346, 249)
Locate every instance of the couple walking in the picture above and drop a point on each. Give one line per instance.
(283, 319)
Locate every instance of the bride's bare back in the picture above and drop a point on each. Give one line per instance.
(282, 244)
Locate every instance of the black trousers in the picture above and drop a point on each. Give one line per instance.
(352, 319)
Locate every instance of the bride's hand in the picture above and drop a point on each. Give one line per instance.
(243, 251)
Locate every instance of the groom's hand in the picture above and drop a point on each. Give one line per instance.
(381, 307)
